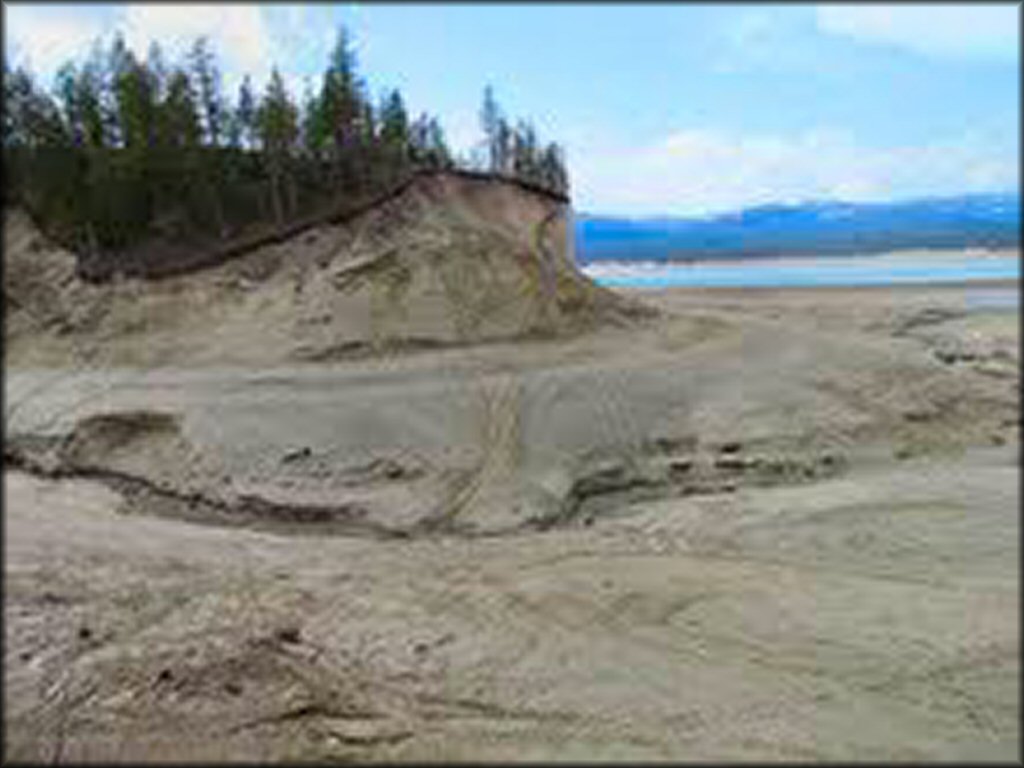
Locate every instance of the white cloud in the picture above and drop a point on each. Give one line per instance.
(703, 171)
(46, 36)
(967, 30)
(42, 38)
(238, 33)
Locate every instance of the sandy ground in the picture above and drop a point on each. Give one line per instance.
(450, 261)
(768, 525)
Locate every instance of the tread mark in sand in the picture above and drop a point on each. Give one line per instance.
(498, 405)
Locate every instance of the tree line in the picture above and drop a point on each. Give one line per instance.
(122, 148)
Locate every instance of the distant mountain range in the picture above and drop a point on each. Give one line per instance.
(813, 228)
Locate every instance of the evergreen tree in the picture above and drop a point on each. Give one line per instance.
(135, 104)
(157, 69)
(369, 124)
(31, 119)
(418, 139)
(394, 132)
(394, 129)
(552, 169)
(136, 112)
(312, 135)
(66, 86)
(232, 128)
(524, 163)
(339, 99)
(119, 61)
(206, 77)
(127, 147)
(437, 147)
(490, 122)
(89, 95)
(277, 119)
(39, 170)
(247, 113)
(503, 148)
(427, 144)
(180, 113)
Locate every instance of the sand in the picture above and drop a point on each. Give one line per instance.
(450, 261)
(766, 525)
(333, 501)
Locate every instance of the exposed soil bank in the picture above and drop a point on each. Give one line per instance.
(450, 260)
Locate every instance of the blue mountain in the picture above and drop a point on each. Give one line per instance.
(812, 228)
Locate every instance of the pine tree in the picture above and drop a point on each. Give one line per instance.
(247, 113)
(525, 159)
(438, 151)
(206, 81)
(180, 135)
(369, 124)
(277, 119)
(418, 147)
(308, 120)
(490, 122)
(135, 104)
(552, 169)
(125, 147)
(427, 144)
(90, 97)
(31, 119)
(40, 170)
(66, 86)
(339, 100)
(394, 129)
(135, 111)
(232, 128)
(206, 77)
(119, 61)
(394, 132)
(157, 68)
(180, 113)
(503, 149)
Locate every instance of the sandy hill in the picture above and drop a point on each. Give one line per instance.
(450, 259)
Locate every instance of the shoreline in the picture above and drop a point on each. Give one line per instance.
(903, 253)
(908, 268)
(951, 285)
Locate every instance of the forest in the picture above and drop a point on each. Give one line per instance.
(126, 160)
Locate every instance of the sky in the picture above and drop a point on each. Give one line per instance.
(671, 109)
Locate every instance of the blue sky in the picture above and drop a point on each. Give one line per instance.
(681, 109)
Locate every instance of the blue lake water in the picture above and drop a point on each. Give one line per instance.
(837, 271)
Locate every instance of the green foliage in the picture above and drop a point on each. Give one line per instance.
(277, 126)
(517, 152)
(491, 122)
(207, 78)
(179, 116)
(30, 116)
(247, 112)
(427, 144)
(124, 149)
(340, 96)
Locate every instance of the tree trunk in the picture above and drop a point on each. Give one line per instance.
(218, 211)
(293, 195)
(275, 198)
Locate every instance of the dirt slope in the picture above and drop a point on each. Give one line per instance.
(796, 538)
(450, 260)
(767, 525)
